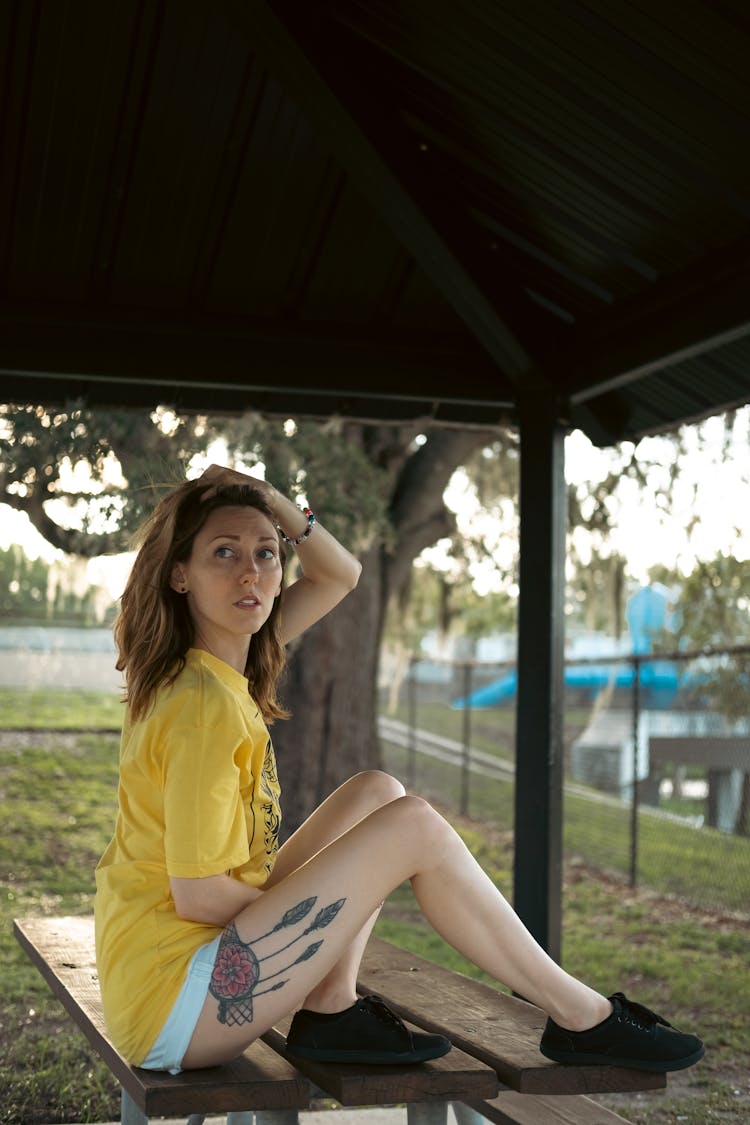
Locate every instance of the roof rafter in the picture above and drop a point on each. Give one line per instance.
(368, 168)
(681, 317)
(237, 366)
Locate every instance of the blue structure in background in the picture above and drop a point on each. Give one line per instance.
(648, 615)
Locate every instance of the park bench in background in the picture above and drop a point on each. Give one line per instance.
(495, 1068)
(726, 759)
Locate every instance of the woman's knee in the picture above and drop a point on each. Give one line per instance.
(378, 787)
(417, 817)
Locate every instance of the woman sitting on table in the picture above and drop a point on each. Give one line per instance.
(207, 932)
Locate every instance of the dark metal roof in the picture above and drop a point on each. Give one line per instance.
(381, 208)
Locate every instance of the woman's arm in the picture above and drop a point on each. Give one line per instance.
(329, 571)
(216, 899)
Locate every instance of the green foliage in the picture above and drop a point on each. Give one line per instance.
(328, 462)
(442, 597)
(494, 468)
(481, 614)
(37, 443)
(431, 601)
(593, 504)
(596, 592)
(23, 585)
(338, 465)
(714, 604)
(31, 590)
(596, 587)
(712, 610)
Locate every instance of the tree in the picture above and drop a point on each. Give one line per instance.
(385, 485)
(713, 611)
(23, 585)
(596, 590)
(38, 445)
(380, 487)
(713, 605)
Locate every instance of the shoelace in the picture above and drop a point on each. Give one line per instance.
(379, 1008)
(630, 1011)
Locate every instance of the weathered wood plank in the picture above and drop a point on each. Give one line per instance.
(494, 1034)
(502, 1031)
(722, 752)
(455, 1077)
(63, 951)
(512, 1108)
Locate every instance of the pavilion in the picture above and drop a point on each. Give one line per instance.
(389, 209)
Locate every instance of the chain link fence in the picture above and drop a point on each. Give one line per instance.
(657, 761)
(657, 751)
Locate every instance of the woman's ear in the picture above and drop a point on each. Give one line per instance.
(177, 579)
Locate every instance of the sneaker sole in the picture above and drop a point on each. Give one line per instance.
(383, 1058)
(657, 1066)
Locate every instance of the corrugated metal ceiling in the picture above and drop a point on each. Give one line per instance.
(378, 208)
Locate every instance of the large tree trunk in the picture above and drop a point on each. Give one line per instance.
(331, 682)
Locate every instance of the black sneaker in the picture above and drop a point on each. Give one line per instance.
(632, 1036)
(368, 1032)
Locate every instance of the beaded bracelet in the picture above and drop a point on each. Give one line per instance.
(305, 534)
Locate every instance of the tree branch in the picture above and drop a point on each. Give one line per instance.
(70, 540)
(417, 511)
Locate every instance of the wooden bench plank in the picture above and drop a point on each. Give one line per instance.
(502, 1031)
(62, 949)
(483, 1020)
(512, 1108)
(456, 1076)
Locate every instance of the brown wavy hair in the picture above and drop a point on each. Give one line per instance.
(153, 630)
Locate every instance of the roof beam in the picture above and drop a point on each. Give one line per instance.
(230, 367)
(680, 317)
(368, 169)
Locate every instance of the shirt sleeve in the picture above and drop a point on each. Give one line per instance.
(205, 830)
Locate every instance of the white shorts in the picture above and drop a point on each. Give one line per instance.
(174, 1038)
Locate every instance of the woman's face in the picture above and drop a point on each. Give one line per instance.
(231, 580)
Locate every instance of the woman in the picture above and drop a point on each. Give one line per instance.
(207, 932)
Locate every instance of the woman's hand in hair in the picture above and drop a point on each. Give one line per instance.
(287, 515)
(216, 476)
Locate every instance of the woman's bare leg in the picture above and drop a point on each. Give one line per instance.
(285, 943)
(346, 806)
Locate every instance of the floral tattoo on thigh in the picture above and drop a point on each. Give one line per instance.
(240, 971)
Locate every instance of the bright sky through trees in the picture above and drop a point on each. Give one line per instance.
(710, 512)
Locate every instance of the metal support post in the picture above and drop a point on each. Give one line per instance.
(634, 801)
(130, 1114)
(427, 1113)
(465, 1115)
(270, 1117)
(537, 870)
(466, 755)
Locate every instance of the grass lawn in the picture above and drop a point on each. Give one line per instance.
(58, 796)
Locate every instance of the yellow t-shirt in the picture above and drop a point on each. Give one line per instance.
(198, 796)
